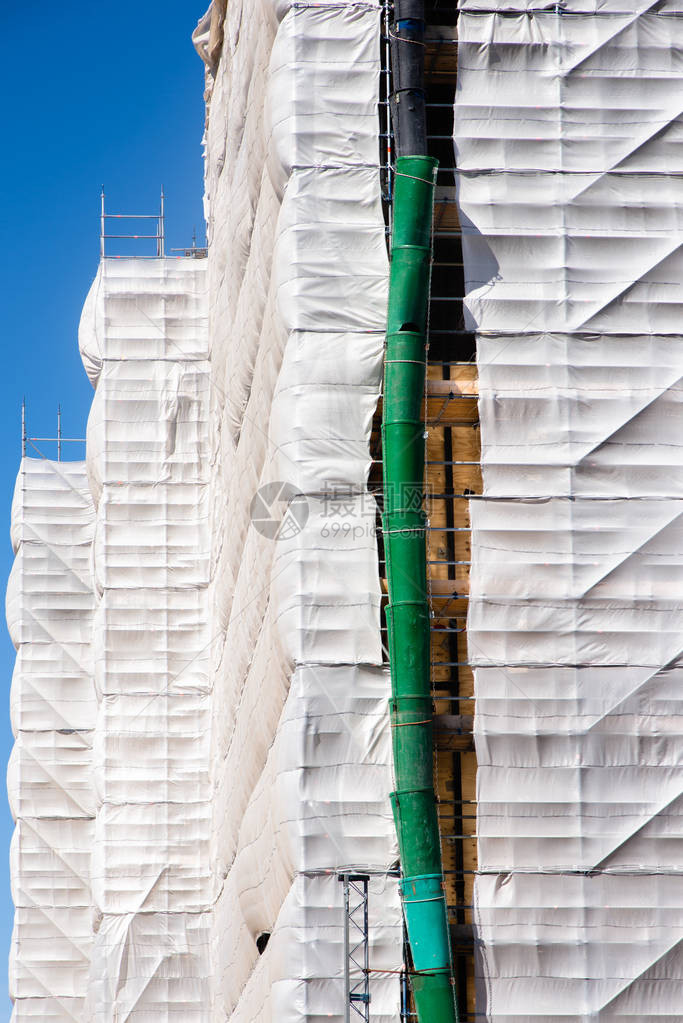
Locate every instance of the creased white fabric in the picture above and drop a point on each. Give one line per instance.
(301, 758)
(567, 135)
(144, 340)
(50, 604)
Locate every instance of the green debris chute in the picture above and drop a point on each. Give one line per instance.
(408, 620)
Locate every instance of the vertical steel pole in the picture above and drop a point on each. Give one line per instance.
(347, 965)
(23, 427)
(386, 136)
(102, 223)
(404, 995)
(59, 433)
(366, 958)
(161, 243)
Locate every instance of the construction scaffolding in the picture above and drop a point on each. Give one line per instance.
(157, 221)
(357, 945)
(32, 442)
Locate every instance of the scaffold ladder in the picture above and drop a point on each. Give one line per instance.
(356, 947)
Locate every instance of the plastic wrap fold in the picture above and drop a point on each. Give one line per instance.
(568, 141)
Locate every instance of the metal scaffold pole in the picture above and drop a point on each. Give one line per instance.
(121, 220)
(356, 947)
(161, 244)
(103, 223)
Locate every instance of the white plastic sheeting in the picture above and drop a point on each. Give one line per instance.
(143, 338)
(301, 752)
(229, 748)
(567, 135)
(49, 613)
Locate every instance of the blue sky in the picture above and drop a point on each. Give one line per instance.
(91, 93)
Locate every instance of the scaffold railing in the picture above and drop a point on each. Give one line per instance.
(159, 236)
(32, 442)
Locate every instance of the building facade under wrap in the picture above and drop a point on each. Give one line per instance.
(566, 134)
(200, 701)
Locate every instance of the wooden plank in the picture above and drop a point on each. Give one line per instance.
(435, 506)
(462, 542)
(453, 732)
(446, 216)
(453, 400)
(464, 386)
(466, 441)
(463, 374)
(447, 410)
(444, 591)
(441, 58)
(451, 404)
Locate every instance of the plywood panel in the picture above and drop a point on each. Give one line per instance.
(453, 437)
(445, 208)
(441, 57)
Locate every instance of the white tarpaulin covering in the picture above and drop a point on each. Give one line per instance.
(143, 338)
(301, 752)
(49, 613)
(232, 754)
(568, 141)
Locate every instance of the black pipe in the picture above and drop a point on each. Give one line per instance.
(408, 111)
